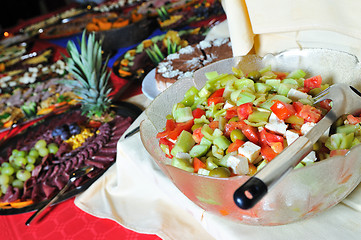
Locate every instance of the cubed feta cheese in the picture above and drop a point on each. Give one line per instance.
(310, 158)
(250, 150)
(238, 164)
(228, 105)
(276, 125)
(203, 171)
(307, 127)
(295, 94)
(291, 136)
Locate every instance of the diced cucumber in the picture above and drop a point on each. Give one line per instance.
(217, 152)
(205, 141)
(299, 73)
(265, 69)
(262, 87)
(346, 142)
(237, 72)
(284, 88)
(221, 142)
(290, 81)
(207, 132)
(268, 75)
(244, 83)
(245, 97)
(199, 150)
(184, 143)
(183, 114)
(274, 83)
(334, 141)
(348, 128)
(259, 116)
(210, 164)
(182, 164)
(211, 75)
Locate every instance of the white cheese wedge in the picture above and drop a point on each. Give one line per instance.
(227, 105)
(310, 158)
(250, 150)
(307, 127)
(276, 125)
(295, 94)
(238, 164)
(291, 136)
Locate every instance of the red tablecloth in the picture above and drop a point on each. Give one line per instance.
(65, 221)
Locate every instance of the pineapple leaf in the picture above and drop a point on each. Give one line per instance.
(91, 75)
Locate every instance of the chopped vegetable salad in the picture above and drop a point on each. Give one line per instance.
(239, 122)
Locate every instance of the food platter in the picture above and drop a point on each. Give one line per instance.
(125, 114)
(135, 64)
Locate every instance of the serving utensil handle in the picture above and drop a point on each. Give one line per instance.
(257, 186)
(51, 201)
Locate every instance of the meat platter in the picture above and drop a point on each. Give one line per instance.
(50, 171)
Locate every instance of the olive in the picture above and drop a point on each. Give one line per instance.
(254, 75)
(237, 134)
(221, 172)
(234, 119)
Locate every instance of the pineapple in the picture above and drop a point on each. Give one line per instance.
(91, 76)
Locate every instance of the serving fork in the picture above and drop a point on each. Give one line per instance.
(345, 99)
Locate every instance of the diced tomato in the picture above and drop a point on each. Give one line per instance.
(338, 152)
(173, 133)
(297, 106)
(217, 93)
(197, 113)
(304, 89)
(310, 113)
(169, 144)
(267, 152)
(353, 120)
(197, 164)
(282, 110)
(272, 137)
(214, 124)
(215, 100)
(250, 132)
(313, 82)
(277, 147)
(262, 137)
(169, 126)
(269, 138)
(216, 97)
(244, 110)
(197, 135)
(231, 112)
(281, 75)
(228, 128)
(326, 104)
(235, 145)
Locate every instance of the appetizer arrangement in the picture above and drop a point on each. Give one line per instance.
(194, 12)
(187, 60)
(239, 122)
(37, 164)
(137, 62)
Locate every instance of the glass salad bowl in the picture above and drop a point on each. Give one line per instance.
(302, 193)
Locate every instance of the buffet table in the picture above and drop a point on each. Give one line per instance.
(137, 201)
(65, 220)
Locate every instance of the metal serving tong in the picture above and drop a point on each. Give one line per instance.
(72, 177)
(345, 99)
